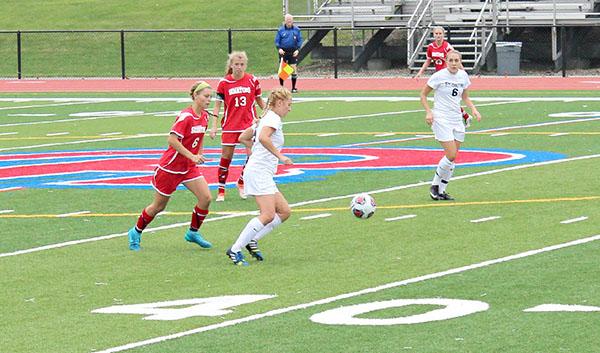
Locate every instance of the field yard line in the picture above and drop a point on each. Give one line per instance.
(40, 122)
(560, 122)
(302, 203)
(371, 290)
(80, 141)
(48, 105)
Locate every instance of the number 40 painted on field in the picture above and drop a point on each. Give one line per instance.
(345, 315)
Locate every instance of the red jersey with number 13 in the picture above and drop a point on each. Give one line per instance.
(190, 129)
(438, 54)
(238, 98)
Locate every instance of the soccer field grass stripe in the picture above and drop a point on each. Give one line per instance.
(573, 220)
(303, 203)
(423, 278)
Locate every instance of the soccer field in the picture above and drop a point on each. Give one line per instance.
(509, 266)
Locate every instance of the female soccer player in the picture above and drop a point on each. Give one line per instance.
(450, 85)
(260, 170)
(436, 52)
(238, 91)
(179, 164)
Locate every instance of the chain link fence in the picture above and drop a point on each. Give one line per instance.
(203, 53)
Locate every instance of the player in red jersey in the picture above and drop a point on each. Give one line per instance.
(437, 52)
(238, 91)
(179, 165)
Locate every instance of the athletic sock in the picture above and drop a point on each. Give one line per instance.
(198, 217)
(444, 173)
(268, 228)
(143, 221)
(248, 233)
(294, 79)
(464, 113)
(222, 173)
(280, 82)
(241, 178)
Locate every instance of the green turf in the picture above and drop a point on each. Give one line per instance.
(49, 295)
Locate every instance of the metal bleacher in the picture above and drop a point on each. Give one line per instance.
(472, 24)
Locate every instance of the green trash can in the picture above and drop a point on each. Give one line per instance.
(508, 55)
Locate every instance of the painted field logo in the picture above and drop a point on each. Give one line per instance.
(132, 168)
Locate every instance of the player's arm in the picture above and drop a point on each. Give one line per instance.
(214, 119)
(265, 139)
(423, 68)
(174, 142)
(428, 113)
(246, 137)
(469, 103)
(261, 102)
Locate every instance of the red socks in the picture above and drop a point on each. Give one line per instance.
(198, 217)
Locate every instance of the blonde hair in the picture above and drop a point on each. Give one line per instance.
(454, 52)
(277, 94)
(198, 86)
(234, 55)
(440, 28)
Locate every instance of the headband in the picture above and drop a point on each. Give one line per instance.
(201, 85)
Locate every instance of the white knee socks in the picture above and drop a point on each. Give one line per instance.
(443, 173)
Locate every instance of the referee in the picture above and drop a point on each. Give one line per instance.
(288, 41)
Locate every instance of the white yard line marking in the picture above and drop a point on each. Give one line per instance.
(386, 134)
(303, 203)
(32, 114)
(408, 216)
(8, 133)
(500, 134)
(321, 215)
(365, 291)
(58, 133)
(111, 133)
(559, 134)
(328, 134)
(48, 105)
(6, 211)
(71, 214)
(573, 220)
(486, 219)
(80, 142)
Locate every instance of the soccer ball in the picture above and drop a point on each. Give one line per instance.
(363, 206)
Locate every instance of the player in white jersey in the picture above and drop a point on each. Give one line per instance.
(258, 177)
(450, 86)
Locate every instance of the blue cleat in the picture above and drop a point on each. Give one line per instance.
(196, 237)
(134, 239)
(236, 257)
(252, 248)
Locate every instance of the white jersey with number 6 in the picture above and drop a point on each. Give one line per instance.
(448, 93)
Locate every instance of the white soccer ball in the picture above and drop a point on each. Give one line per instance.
(363, 205)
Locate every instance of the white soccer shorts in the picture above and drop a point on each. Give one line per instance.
(448, 130)
(257, 183)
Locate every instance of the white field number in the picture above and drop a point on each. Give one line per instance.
(345, 315)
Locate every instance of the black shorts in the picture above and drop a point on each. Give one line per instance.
(288, 56)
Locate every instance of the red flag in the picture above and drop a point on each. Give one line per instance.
(285, 70)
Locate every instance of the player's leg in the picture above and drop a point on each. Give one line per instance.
(294, 78)
(466, 117)
(148, 213)
(240, 182)
(445, 167)
(266, 205)
(199, 188)
(443, 132)
(223, 170)
(282, 213)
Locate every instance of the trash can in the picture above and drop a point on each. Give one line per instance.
(508, 55)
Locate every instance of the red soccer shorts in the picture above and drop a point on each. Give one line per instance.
(166, 183)
(230, 138)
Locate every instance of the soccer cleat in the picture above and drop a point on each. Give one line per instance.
(434, 192)
(252, 248)
(241, 191)
(445, 197)
(220, 196)
(134, 239)
(236, 257)
(196, 237)
(294, 90)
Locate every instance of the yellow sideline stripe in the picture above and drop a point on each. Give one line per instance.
(391, 207)
(63, 137)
